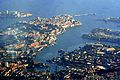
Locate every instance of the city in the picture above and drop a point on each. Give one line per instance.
(64, 40)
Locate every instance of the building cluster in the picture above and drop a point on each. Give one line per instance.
(92, 62)
(13, 14)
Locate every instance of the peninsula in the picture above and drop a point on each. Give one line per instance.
(23, 40)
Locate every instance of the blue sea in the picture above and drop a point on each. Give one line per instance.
(71, 39)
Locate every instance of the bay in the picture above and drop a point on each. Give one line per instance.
(72, 37)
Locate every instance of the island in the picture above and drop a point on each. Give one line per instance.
(105, 35)
(110, 19)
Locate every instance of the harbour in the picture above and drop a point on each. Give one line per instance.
(71, 38)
